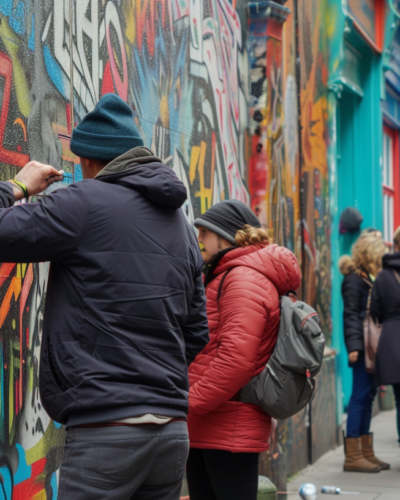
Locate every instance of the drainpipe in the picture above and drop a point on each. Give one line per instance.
(303, 210)
(265, 22)
(71, 61)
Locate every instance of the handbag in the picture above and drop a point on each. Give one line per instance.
(372, 332)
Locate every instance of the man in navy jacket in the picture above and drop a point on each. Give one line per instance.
(125, 310)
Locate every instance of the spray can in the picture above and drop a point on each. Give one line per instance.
(332, 490)
(308, 491)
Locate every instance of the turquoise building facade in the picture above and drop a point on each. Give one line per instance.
(361, 34)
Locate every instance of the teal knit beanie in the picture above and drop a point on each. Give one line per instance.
(106, 132)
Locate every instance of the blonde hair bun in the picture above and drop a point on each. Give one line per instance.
(346, 265)
(250, 235)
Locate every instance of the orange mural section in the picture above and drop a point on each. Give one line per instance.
(314, 161)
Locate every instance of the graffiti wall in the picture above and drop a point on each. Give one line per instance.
(31, 444)
(289, 187)
(314, 162)
(289, 180)
(182, 67)
(273, 164)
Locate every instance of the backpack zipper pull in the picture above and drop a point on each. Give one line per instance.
(308, 374)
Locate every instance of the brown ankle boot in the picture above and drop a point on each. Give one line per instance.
(368, 451)
(355, 460)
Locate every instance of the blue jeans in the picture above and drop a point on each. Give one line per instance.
(359, 412)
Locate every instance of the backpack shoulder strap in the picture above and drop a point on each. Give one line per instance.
(396, 275)
(221, 284)
(369, 283)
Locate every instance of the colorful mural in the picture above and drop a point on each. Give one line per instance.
(289, 186)
(182, 67)
(314, 161)
(273, 164)
(31, 444)
(289, 180)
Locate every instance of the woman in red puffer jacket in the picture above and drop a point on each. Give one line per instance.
(244, 278)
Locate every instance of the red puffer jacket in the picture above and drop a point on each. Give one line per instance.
(243, 331)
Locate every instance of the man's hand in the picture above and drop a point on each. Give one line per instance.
(353, 357)
(37, 177)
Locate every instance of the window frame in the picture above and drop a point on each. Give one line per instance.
(378, 42)
(391, 188)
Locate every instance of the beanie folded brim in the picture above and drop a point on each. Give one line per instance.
(97, 147)
(226, 218)
(199, 222)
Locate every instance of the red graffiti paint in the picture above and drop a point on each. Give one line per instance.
(33, 485)
(108, 85)
(26, 287)
(146, 13)
(68, 115)
(6, 156)
(120, 82)
(5, 271)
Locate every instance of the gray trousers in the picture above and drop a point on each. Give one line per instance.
(142, 462)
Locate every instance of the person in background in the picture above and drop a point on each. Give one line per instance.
(244, 277)
(125, 308)
(385, 310)
(360, 271)
(371, 231)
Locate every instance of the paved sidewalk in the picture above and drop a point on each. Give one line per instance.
(328, 470)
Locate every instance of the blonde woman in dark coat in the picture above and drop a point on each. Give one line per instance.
(360, 271)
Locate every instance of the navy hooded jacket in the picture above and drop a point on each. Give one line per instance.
(125, 308)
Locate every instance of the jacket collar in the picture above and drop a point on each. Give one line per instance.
(220, 262)
(209, 269)
(128, 161)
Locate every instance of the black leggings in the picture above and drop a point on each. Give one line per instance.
(396, 389)
(222, 475)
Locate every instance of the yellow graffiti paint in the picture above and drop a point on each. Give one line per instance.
(11, 44)
(15, 346)
(129, 11)
(40, 496)
(17, 282)
(197, 166)
(164, 111)
(10, 395)
(51, 438)
(194, 160)
(20, 122)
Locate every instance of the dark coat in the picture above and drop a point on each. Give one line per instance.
(355, 297)
(385, 309)
(125, 310)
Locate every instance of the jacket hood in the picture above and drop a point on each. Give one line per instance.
(392, 261)
(139, 169)
(277, 263)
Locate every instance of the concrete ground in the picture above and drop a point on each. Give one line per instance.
(328, 470)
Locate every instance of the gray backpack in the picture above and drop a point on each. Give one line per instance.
(286, 384)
